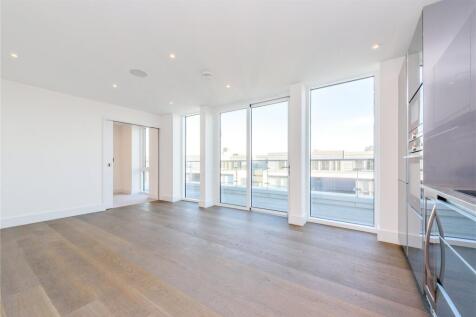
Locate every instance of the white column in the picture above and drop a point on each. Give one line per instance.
(208, 162)
(298, 146)
(170, 158)
(386, 155)
(154, 163)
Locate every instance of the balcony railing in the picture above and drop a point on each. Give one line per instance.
(341, 189)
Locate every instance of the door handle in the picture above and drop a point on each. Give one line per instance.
(427, 254)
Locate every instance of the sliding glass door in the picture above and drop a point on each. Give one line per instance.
(233, 157)
(254, 156)
(269, 156)
(192, 157)
(342, 152)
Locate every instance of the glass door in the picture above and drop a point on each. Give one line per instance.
(269, 156)
(233, 157)
(192, 157)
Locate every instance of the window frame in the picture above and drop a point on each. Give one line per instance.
(184, 162)
(337, 223)
(248, 107)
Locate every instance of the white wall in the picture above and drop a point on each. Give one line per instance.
(122, 158)
(387, 141)
(52, 152)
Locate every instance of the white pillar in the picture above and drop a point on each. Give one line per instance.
(208, 162)
(170, 158)
(298, 147)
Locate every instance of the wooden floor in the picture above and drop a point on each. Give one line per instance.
(163, 259)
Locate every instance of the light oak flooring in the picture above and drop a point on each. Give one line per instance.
(164, 259)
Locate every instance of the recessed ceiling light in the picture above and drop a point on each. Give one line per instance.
(14, 55)
(114, 86)
(228, 86)
(375, 46)
(138, 73)
(171, 102)
(172, 56)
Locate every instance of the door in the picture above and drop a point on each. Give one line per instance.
(269, 156)
(107, 164)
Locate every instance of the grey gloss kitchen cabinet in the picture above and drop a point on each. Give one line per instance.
(449, 94)
(415, 60)
(402, 152)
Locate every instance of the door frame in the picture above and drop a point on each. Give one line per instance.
(249, 175)
(107, 157)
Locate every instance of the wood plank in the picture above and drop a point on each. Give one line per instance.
(31, 302)
(164, 259)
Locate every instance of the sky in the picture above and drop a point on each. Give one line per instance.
(342, 119)
(342, 116)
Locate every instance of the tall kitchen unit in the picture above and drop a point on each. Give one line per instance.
(413, 159)
(437, 157)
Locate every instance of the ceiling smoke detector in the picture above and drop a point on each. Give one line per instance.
(138, 73)
(207, 74)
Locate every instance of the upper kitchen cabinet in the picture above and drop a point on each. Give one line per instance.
(415, 60)
(449, 94)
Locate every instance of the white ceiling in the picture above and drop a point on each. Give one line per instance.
(260, 47)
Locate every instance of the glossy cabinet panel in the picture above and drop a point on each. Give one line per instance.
(450, 273)
(460, 279)
(450, 110)
(402, 214)
(444, 305)
(415, 60)
(415, 244)
(402, 123)
(415, 174)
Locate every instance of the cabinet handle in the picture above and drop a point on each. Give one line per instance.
(429, 276)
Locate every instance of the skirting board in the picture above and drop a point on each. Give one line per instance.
(170, 198)
(49, 215)
(206, 204)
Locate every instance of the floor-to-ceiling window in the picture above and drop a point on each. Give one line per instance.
(192, 157)
(342, 152)
(254, 156)
(269, 156)
(233, 157)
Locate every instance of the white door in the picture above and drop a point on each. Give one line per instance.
(107, 168)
